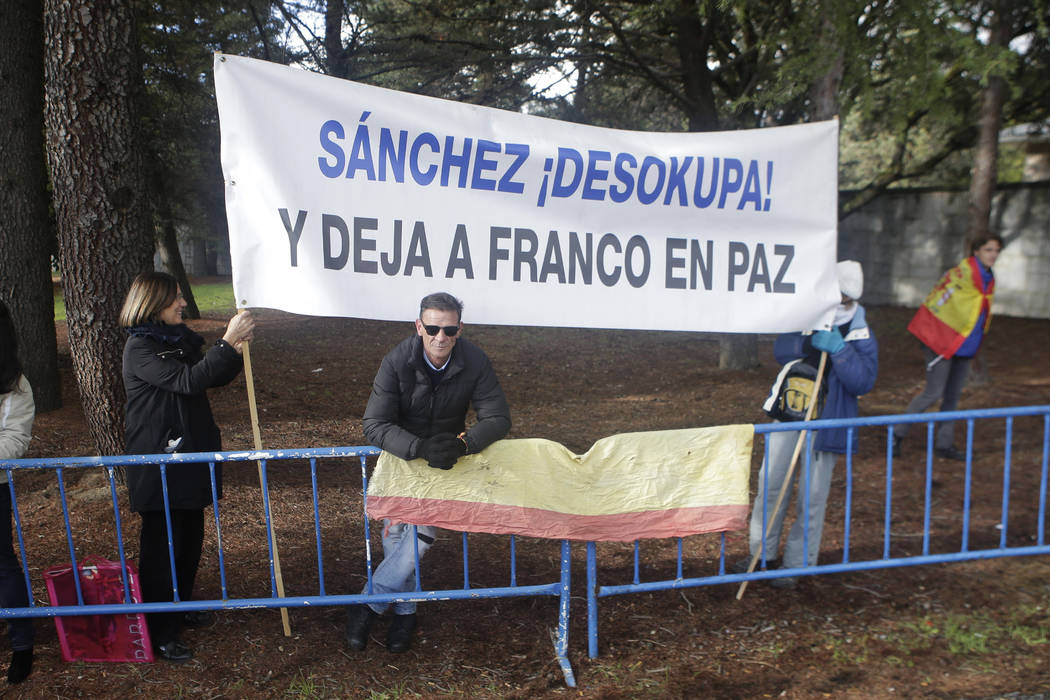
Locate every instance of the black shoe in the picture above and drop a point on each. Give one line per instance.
(784, 583)
(198, 619)
(741, 566)
(399, 636)
(174, 651)
(950, 453)
(359, 619)
(21, 666)
(896, 452)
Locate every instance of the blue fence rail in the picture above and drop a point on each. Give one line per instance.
(875, 548)
(876, 554)
(559, 588)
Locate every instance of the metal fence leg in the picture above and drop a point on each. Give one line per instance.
(592, 602)
(561, 645)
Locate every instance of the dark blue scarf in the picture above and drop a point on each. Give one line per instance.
(172, 335)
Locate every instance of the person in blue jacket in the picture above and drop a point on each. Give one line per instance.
(850, 371)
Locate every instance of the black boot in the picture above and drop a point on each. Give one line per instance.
(21, 666)
(359, 619)
(174, 651)
(399, 636)
(950, 453)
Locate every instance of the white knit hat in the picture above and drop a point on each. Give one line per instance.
(851, 278)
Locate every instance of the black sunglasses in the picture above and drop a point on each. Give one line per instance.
(450, 331)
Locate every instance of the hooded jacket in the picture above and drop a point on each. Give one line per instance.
(850, 372)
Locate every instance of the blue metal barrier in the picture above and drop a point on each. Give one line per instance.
(965, 552)
(559, 588)
(881, 554)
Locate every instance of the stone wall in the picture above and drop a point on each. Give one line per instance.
(906, 239)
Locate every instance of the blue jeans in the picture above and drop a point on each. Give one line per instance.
(12, 581)
(822, 464)
(396, 573)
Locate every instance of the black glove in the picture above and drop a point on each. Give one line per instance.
(442, 450)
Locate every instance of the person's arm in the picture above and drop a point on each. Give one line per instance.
(857, 365)
(239, 330)
(17, 410)
(232, 367)
(169, 373)
(792, 346)
(380, 422)
(491, 409)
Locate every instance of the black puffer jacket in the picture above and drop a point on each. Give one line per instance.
(166, 377)
(404, 408)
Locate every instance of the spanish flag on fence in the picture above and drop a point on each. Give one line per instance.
(669, 483)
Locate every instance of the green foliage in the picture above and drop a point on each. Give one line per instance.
(909, 74)
(180, 118)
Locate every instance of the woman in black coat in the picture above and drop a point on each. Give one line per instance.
(166, 376)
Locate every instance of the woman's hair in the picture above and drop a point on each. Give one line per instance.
(980, 240)
(10, 367)
(150, 293)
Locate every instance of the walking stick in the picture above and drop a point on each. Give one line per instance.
(253, 411)
(791, 470)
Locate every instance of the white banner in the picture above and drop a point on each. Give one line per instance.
(350, 200)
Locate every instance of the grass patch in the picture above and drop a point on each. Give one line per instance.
(303, 687)
(978, 634)
(211, 297)
(214, 296)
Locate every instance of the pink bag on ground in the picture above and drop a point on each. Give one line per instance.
(120, 637)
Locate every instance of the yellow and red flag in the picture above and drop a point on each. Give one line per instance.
(670, 483)
(952, 309)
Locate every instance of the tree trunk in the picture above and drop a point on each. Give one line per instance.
(99, 193)
(168, 244)
(335, 53)
(824, 92)
(26, 235)
(986, 154)
(692, 42)
(171, 257)
(735, 350)
(985, 164)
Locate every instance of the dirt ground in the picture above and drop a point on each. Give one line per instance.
(972, 630)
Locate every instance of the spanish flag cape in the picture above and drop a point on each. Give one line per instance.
(950, 313)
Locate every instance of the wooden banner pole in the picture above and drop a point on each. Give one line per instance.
(253, 411)
(791, 470)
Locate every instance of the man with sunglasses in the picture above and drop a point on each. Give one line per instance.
(418, 410)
